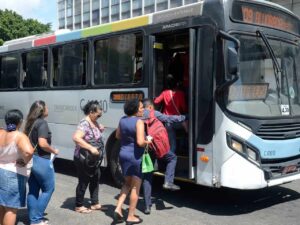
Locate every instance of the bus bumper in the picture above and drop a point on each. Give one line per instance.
(239, 173)
(283, 180)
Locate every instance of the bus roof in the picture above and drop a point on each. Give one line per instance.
(194, 9)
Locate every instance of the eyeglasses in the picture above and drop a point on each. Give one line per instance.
(99, 115)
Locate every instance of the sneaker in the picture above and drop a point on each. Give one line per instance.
(171, 187)
(147, 210)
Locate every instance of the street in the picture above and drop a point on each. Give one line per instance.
(192, 205)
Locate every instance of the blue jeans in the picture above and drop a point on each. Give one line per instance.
(171, 129)
(169, 161)
(42, 178)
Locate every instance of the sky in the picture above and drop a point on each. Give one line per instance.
(45, 11)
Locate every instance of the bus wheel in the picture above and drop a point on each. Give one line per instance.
(115, 167)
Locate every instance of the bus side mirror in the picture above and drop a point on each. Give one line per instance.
(232, 62)
(232, 55)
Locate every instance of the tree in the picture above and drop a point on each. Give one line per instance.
(13, 26)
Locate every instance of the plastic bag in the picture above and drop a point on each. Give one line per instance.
(147, 165)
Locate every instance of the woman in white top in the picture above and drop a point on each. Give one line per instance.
(15, 153)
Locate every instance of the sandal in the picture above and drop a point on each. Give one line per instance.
(98, 207)
(83, 210)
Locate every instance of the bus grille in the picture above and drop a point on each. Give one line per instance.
(282, 167)
(279, 131)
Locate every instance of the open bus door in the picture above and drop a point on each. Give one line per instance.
(174, 53)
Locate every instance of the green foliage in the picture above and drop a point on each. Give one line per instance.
(13, 26)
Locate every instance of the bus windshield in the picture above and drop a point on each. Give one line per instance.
(262, 91)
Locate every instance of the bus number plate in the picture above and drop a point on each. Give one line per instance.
(289, 169)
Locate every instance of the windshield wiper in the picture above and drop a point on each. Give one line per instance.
(275, 63)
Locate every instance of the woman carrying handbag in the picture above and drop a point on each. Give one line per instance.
(88, 137)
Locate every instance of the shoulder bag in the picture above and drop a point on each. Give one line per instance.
(89, 161)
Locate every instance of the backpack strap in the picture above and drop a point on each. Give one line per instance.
(152, 114)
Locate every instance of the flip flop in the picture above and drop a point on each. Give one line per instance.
(83, 210)
(99, 207)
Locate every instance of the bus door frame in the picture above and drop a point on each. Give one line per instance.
(152, 68)
(204, 103)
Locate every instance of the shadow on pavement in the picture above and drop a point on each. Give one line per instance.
(223, 201)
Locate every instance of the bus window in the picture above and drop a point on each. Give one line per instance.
(118, 60)
(70, 64)
(9, 65)
(34, 69)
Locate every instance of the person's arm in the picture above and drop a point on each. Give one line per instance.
(25, 148)
(43, 143)
(78, 139)
(140, 134)
(43, 132)
(159, 99)
(169, 118)
(118, 133)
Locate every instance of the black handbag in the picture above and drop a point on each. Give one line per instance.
(89, 161)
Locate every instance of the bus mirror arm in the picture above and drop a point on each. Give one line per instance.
(227, 83)
(229, 37)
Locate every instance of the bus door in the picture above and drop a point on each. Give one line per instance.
(174, 53)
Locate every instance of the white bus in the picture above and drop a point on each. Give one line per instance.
(237, 61)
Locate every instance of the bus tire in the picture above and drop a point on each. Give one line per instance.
(115, 167)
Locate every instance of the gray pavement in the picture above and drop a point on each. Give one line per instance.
(193, 205)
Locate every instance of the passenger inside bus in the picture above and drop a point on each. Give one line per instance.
(172, 74)
(174, 103)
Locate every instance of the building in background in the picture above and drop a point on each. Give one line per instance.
(293, 5)
(77, 14)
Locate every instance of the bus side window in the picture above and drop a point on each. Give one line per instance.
(9, 71)
(118, 60)
(70, 64)
(33, 68)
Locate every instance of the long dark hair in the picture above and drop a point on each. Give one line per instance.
(36, 111)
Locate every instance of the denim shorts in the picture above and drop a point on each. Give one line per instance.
(12, 189)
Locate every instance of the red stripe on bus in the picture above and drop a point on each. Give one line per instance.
(45, 41)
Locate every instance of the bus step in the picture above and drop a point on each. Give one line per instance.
(183, 178)
(182, 164)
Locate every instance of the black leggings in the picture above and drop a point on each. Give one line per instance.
(83, 181)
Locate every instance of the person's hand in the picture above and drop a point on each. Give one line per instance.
(20, 163)
(94, 151)
(101, 127)
(56, 151)
(148, 142)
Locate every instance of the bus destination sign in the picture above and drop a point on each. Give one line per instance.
(122, 96)
(260, 15)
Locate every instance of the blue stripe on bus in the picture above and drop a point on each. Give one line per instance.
(274, 149)
(69, 36)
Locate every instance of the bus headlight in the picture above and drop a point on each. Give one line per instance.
(236, 145)
(243, 148)
(251, 154)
